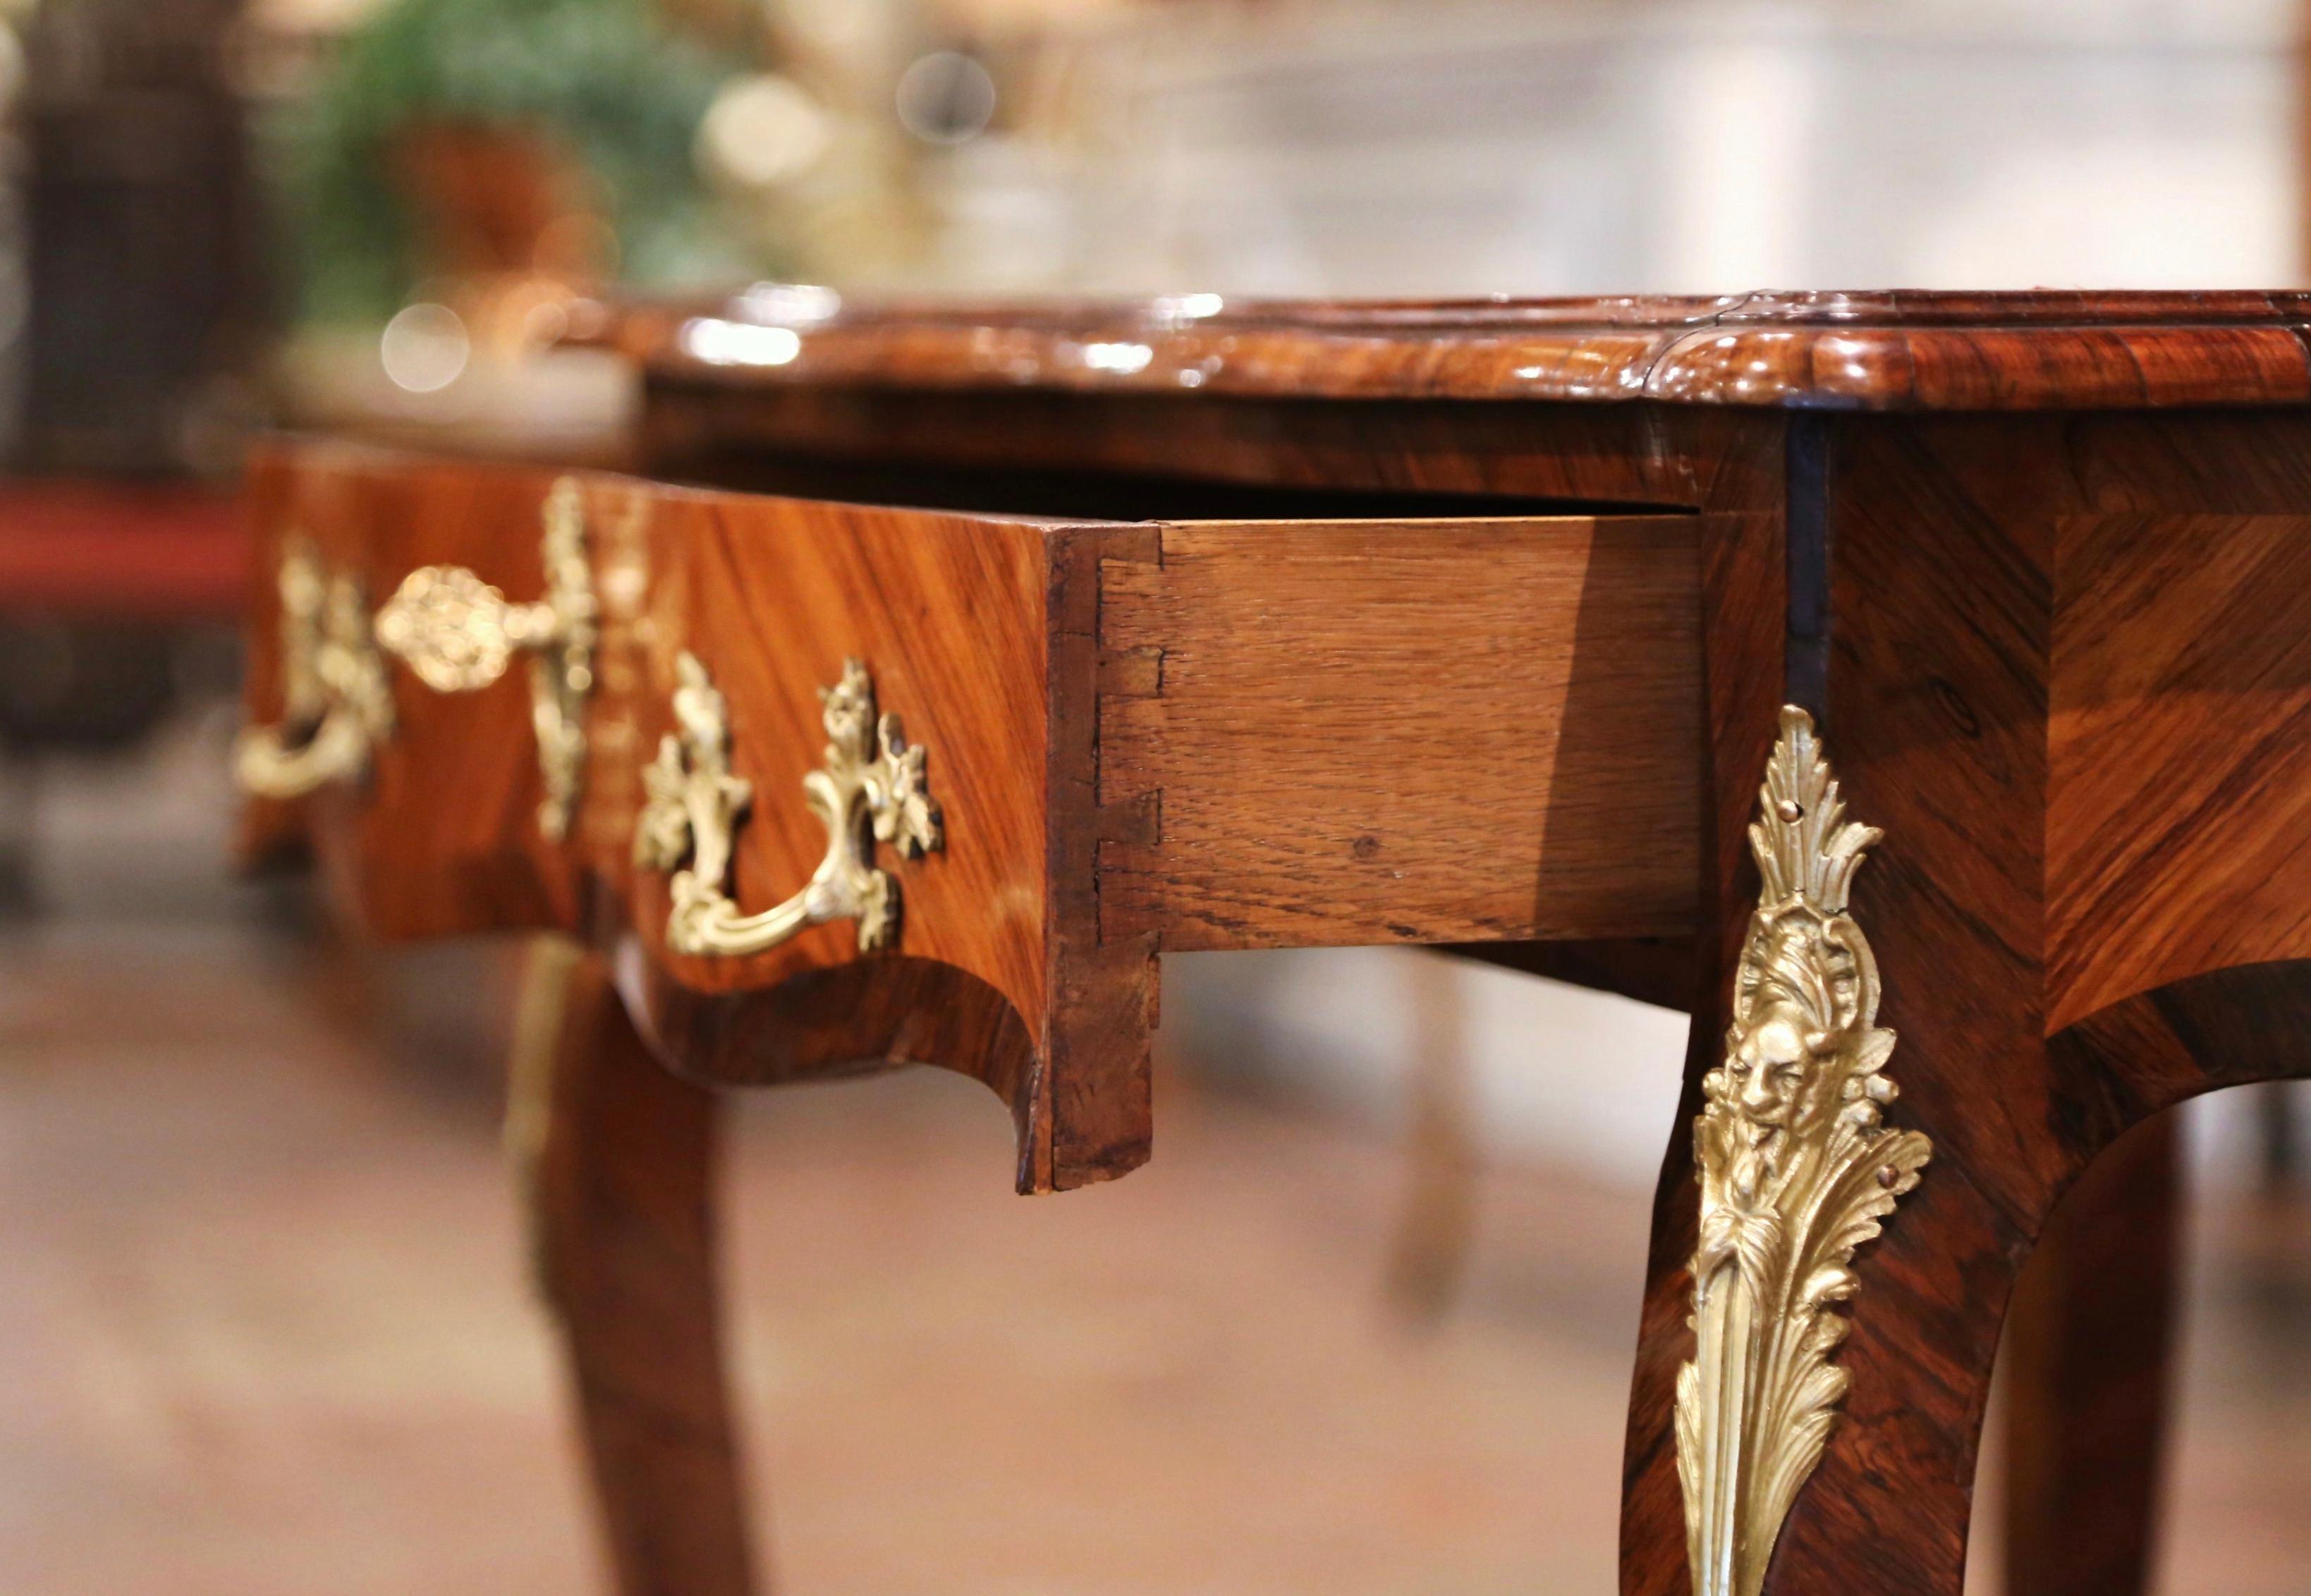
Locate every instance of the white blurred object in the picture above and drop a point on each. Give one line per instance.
(1577, 1079)
(721, 343)
(762, 131)
(562, 403)
(1003, 223)
(1461, 146)
(424, 348)
(317, 16)
(945, 98)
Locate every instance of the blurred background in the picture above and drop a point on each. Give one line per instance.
(1365, 1325)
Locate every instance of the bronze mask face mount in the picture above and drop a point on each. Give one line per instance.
(1796, 1170)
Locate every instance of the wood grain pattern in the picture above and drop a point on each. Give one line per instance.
(2034, 350)
(1528, 687)
(2179, 832)
(1744, 627)
(2063, 670)
(397, 855)
(621, 1202)
(773, 594)
(1142, 738)
(1117, 458)
(1103, 1009)
(2086, 1355)
(1991, 581)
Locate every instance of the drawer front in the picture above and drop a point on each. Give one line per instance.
(772, 597)
(768, 600)
(716, 625)
(838, 786)
(432, 832)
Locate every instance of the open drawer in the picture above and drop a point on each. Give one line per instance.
(838, 785)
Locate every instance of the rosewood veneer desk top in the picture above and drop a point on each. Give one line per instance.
(2040, 350)
(1207, 625)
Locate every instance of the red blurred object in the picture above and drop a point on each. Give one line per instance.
(93, 550)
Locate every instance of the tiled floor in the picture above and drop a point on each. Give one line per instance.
(265, 1332)
(268, 1334)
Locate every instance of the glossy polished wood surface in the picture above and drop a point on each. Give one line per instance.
(2086, 1360)
(622, 1163)
(2027, 351)
(2060, 673)
(1143, 736)
(2179, 772)
(2054, 639)
(950, 611)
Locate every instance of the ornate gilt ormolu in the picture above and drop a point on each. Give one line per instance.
(1796, 1170)
(458, 633)
(871, 788)
(335, 705)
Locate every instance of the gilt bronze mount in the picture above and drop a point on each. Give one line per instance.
(871, 788)
(336, 703)
(1796, 1172)
(458, 633)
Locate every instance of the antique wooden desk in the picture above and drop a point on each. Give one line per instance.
(1229, 626)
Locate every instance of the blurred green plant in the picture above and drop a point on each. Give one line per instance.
(603, 79)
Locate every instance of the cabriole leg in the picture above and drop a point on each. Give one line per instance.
(2086, 1355)
(618, 1160)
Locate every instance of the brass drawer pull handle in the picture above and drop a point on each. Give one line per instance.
(458, 633)
(870, 788)
(335, 702)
